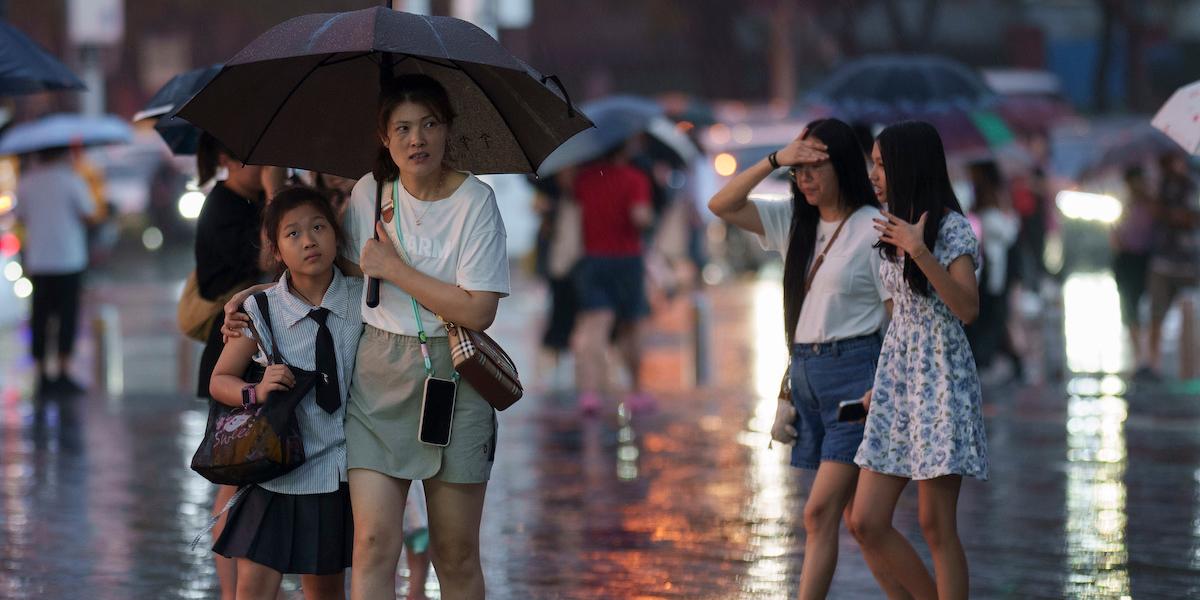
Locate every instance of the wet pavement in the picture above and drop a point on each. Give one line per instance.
(1095, 488)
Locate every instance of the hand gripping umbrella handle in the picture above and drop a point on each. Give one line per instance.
(373, 283)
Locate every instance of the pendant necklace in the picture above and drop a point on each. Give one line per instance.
(429, 203)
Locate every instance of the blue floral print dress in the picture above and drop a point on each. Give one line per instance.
(926, 419)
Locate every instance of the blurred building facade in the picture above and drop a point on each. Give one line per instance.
(750, 50)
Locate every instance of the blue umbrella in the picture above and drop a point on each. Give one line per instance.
(181, 137)
(26, 68)
(618, 118)
(65, 129)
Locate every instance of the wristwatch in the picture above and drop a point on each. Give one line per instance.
(248, 395)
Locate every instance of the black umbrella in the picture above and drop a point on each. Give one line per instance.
(305, 94)
(181, 137)
(26, 68)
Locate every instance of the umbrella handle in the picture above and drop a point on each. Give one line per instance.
(563, 89)
(373, 283)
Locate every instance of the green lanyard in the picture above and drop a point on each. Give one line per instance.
(416, 309)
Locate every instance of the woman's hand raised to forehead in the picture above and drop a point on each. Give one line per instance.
(802, 151)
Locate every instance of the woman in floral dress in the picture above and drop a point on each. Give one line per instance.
(925, 421)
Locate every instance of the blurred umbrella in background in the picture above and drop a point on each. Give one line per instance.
(881, 90)
(1089, 150)
(617, 119)
(305, 94)
(1031, 101)
(65, 130)
(1179, 118)
(181, 137)
(26, 68)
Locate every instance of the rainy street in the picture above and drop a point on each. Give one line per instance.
(849, 300)
(1092, 493)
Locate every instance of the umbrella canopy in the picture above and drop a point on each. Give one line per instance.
(176, 92)
(305, 94)
(1179, 118)
(65, 129)
(903, 83)
(617, 119)
(181, 137)
(26, 68)
(881, 90)
(1086, 151)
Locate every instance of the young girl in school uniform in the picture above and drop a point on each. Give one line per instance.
(300, 522)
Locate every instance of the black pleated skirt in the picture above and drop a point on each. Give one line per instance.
(307, 534)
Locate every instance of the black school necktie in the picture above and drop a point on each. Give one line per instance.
(328, 396)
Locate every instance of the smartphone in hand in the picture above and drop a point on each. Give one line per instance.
(850, 411)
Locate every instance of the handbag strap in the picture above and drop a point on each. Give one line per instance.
(264, 309)
(820, 259)
(465, 331)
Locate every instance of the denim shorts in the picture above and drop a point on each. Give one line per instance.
(613, 283)
(824, 375)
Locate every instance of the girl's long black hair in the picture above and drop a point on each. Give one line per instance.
(854, 189)
(917, 183)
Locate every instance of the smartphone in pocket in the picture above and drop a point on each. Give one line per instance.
(850, 411)
(437, 411)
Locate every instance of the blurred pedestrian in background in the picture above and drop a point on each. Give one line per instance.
(999, 226)
(1175, 258)
(416, 541)
(834, 308)
(336, 188)
(925, 419)
(54, 206)
(559, 249)
(230, 256)
(1132, 241)
(1033, 202)
(615, 203)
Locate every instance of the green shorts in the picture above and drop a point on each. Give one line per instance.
(384, 413)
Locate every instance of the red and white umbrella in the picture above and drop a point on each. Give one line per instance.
(1179, 118)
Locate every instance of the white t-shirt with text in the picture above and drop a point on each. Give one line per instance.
(461, 240)
(847, 295)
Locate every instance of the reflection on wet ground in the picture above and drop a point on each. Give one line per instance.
(1095, 489)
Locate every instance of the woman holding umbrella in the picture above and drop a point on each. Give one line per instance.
(344, 93)
(227, 258)
(455, 267)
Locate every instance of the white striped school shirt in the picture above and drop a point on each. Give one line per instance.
(324, 434)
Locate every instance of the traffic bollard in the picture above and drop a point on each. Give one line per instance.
(1187, 338)
(106, 338)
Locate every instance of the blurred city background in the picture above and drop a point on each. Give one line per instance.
(1095, 491)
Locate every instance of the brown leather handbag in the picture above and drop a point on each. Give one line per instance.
(485, 365)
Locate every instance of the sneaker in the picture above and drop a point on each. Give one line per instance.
(66, 385)
(641, 402)
(589, 403)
